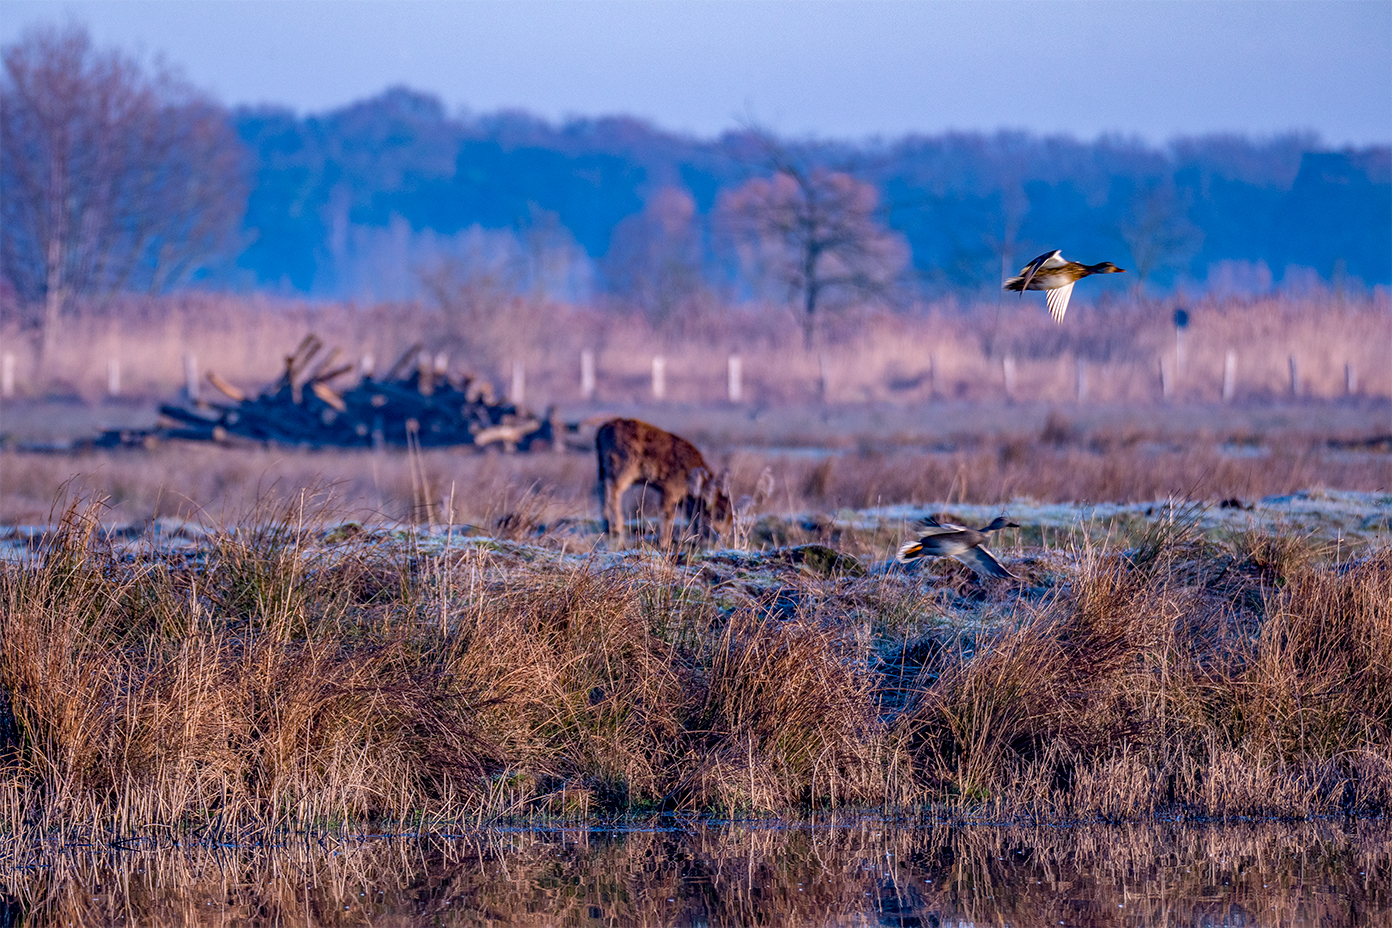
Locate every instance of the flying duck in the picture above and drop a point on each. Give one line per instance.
(1052, 274)
(943, 539)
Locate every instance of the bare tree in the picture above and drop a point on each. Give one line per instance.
(110, 178)
(816, 231)
(654, 259)
(1157, 230)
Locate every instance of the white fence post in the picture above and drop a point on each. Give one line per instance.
(1008, 370)
(191, 377)
(113, 376)
(518, 394)
(1350, 379)
(1229, 375)
(1081, 365)
(733, 376)
(823, 377)
(7, 375)
(1294, 376)
(587, 378)
(367, 366)
(659, 377)
(1166, 380)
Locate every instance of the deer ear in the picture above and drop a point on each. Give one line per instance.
(696, 480)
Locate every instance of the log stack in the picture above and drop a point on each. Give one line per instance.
(414, 404)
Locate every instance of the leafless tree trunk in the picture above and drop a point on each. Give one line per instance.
(818, 232)
(110, 178)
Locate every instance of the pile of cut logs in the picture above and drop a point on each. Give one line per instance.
(415, 403)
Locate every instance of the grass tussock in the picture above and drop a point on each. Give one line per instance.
(285, 675)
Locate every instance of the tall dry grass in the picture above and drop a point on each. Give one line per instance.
(942, 349)
(282, 676)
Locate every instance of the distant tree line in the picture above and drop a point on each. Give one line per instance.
(117, 177)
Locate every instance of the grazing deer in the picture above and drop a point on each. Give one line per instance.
(632, 452)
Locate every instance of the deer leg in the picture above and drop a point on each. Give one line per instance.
(613, 509)
(669, 511)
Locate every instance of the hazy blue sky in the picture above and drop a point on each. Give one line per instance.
(824, 68)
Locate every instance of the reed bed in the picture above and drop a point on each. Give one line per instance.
(288, 675)
(1111, 351)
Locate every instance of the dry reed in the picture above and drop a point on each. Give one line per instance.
(285, 675)
(942, 350)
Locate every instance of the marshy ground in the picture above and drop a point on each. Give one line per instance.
(219, 662)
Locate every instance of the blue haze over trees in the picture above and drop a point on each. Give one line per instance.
(1225, 211)
(393, 197)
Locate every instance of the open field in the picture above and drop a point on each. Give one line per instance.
(225, 643)
(821, 458)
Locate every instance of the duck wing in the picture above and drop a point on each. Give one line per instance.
(1052, 259)
(931, 526)
(981, 560)
(1058, 300)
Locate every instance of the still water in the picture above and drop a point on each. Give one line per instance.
(864, 873)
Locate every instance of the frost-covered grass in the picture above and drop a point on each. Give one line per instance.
(297, 671)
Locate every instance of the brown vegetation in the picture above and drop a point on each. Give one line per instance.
(936, 352)
(282, 675)
(1060, 462)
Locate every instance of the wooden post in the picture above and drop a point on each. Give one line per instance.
(587, 378)
(1166, 380)
(659, 377)
(113, 376)
(1081, 365)
(191, 377)
(733, 374)
(1008, 369)
(1350, 379)
(518, 393)
(1294, 376)
(7, 374)
(1229, 375)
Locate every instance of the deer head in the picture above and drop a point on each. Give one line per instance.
(708, 502)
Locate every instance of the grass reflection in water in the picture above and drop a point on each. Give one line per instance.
(885, 873)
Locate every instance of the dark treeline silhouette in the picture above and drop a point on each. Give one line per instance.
(971, 207)
(396, 197)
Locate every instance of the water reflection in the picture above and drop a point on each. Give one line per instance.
(866, 873)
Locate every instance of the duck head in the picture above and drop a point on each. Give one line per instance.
(1106, 267)
(1000, 522)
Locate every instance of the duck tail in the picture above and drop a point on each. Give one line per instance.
(1014, 283)
(909, 551)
